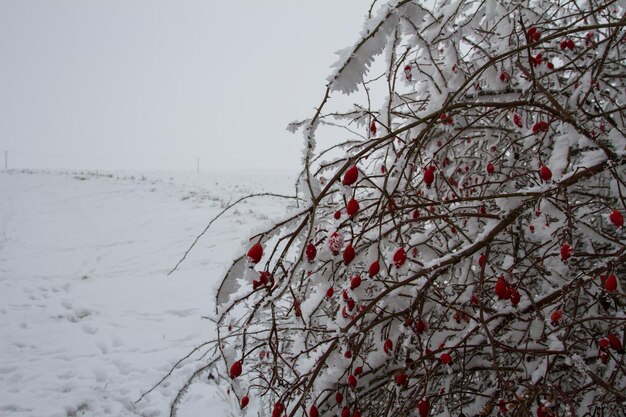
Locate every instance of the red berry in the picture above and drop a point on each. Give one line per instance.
(348, 254)
(345, 412)
(423, 407)
(330, 292)
(358, 370)
(352, 208)
(563, 45)
(339, 397)
(244, 401)
(540, 126)
(445, 358)
(556, 316)
(402, 379)
(517, 119)
(235, 369)
(356, 413)
(501, 287)
(533, 34)
(616, 344)
(255, 253)
(335, 242)
(611, 283)
(311, 252)
(604, 343)
(352, 381)
(388, 346)
(429, 176)
(545, 173)
(542, 412)
(337, 215)
(482, 259)
(399, 258)
(373, 127)
(616, 218)
(515, 297)
(505, 77)
(278, 410)
(374, 269)
(355, 282)
(416, 214)
(351, 175)
(566, 251)
(421, 326)
(490, 168)
(351, 304)
(313, 411)
(502, 406)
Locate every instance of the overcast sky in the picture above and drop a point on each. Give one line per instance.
(153, 84)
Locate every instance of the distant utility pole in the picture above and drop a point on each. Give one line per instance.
(6, 160)
(197, 164)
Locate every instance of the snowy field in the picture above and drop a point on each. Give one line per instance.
(89, 319)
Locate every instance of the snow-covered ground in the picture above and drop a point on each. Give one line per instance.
(89, 319)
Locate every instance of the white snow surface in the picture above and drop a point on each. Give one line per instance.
(89, 319)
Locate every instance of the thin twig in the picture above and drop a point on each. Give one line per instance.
(219, 215)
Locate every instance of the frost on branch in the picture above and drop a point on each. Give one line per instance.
(465, 253)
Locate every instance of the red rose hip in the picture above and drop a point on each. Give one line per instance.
(423, 407)
(616, 218)
(311, 252)
(545, 173)
(351, 175)
(348, 254)
(352, 208)
(255, 253)
(399, 258)
(235, 369)
(374, 269)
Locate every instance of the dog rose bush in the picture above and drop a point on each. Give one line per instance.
(459, 248)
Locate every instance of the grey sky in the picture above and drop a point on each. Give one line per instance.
(153, 84)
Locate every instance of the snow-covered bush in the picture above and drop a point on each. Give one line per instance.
(461, 245)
